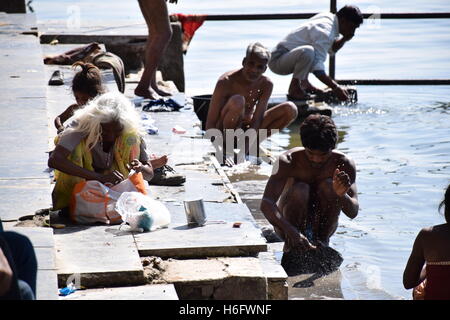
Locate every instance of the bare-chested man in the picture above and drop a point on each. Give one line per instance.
(241, 96)
(309, 188)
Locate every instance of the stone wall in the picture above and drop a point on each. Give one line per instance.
(131, 48)
(12, 6)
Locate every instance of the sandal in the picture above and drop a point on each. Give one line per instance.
(56, 79)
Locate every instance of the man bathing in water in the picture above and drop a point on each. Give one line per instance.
(241, 96)
(311, 185)
(304, 50)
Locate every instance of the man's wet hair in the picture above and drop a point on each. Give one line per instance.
(351, 13)
(318, 132)
(446, 204)
(259, 50)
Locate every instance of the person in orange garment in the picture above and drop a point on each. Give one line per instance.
(432, 249)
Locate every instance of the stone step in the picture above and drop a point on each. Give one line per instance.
(217, 279)
(97, 256)
(44, 247)
(24, 184)
(211, 240)
(146, 292)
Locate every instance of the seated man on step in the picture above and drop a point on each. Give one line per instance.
(241, 97)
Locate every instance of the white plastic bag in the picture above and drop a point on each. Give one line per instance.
(142, 212)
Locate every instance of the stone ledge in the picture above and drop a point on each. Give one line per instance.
(217, 279)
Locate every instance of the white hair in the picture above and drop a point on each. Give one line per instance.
(259, 50)
(105, 108)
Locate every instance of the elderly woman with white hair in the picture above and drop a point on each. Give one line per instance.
(103, 143)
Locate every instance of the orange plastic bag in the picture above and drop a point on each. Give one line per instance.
(93, 202)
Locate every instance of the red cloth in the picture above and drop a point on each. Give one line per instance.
(189, 23)
(438, 282)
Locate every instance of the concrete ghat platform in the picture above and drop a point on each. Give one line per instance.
(211, 240)
(147, 292)
(97, 256)
(103, 256)
(44, 247)
(23, 124)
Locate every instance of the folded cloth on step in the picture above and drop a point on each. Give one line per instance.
(94, 54)
(106, 60)
(161, 105)
(189, 23)
(83, 53)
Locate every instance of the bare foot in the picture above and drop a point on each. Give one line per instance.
(146, 93)
(293, 96)
(158, 162)
(161, 92)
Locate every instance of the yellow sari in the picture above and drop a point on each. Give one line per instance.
(126, 148)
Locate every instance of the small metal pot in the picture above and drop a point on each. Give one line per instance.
(195, 211)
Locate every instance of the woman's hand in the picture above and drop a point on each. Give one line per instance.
(113, 178)
(136, 165)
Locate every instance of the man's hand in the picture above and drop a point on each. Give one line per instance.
(113, 178)
(341, 93)
(6, 274)
(341, 182)
(296, 240)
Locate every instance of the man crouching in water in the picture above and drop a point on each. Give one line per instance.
(309, 188)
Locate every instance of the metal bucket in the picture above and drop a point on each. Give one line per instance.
(195, 211)
(201, 107)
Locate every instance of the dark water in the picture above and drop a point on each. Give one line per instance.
(399, 136)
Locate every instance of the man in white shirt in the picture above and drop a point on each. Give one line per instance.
(305, 49)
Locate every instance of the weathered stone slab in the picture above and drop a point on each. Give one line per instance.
(43, 243)
(218, 278)
(277, 288)
(184, 148)
(198, 184)
(45, 258)
(212, 239)
(23, 125)
(146, 292)
(316, 286)
(98, 256)
(46, 285)
(39, 237)
(23, 197)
